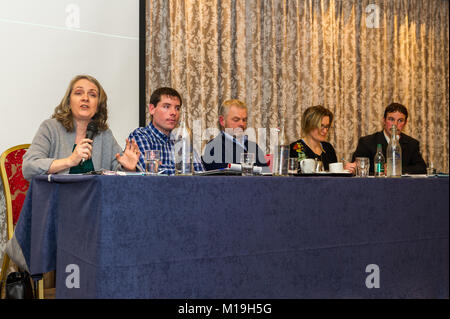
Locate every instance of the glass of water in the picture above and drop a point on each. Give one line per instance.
(152, 159)
(431, 170)
(362, 166)
(247, 162)
(293, 166)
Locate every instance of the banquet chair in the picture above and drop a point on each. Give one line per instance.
(15, 187)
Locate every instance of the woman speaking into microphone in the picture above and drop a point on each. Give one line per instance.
(77, 139)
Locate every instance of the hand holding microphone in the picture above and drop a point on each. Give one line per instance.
(91, 131)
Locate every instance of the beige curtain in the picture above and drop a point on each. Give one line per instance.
(354, 57)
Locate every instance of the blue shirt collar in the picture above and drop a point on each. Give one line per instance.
(157, 132)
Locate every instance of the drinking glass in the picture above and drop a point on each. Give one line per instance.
(293, 166)
(152, 159)
(281, 158)
(247, 162)
(362, 166)
(431, 170)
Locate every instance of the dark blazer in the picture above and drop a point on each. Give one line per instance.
(412, 161)
(221, 151)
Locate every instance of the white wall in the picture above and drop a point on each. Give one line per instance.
(45, 43)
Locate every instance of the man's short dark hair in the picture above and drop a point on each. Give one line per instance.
(156, 95)
(396, 107)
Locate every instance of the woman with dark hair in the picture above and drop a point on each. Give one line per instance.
(61, 146)
(316, 122)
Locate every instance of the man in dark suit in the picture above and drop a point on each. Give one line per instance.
(228, 146)
(412, 161)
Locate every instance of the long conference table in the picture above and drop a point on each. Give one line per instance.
(238, 237)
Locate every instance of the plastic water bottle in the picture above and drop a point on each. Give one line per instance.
(379, 162)
(183, 157)
(280, 165)
(394, 155)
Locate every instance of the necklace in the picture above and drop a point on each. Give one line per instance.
(320, 148)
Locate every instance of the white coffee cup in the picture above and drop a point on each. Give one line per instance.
(336, 167)
(307, 165)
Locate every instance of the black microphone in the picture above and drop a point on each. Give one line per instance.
(91, 131)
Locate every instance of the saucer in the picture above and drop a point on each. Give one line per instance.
(344, 171)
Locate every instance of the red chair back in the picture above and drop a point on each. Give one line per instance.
(15, 186)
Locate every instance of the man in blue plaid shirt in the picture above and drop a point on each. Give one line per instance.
(164, 108)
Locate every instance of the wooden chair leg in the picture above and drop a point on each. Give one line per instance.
(3, 274)
(4, 267)
(40, 289)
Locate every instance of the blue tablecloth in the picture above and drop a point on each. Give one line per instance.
(238, 237)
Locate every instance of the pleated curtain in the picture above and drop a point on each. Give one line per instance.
(280, 57)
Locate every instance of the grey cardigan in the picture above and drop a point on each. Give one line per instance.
(52, 141)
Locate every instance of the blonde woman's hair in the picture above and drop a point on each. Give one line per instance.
(312, 118)
(63, 112)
